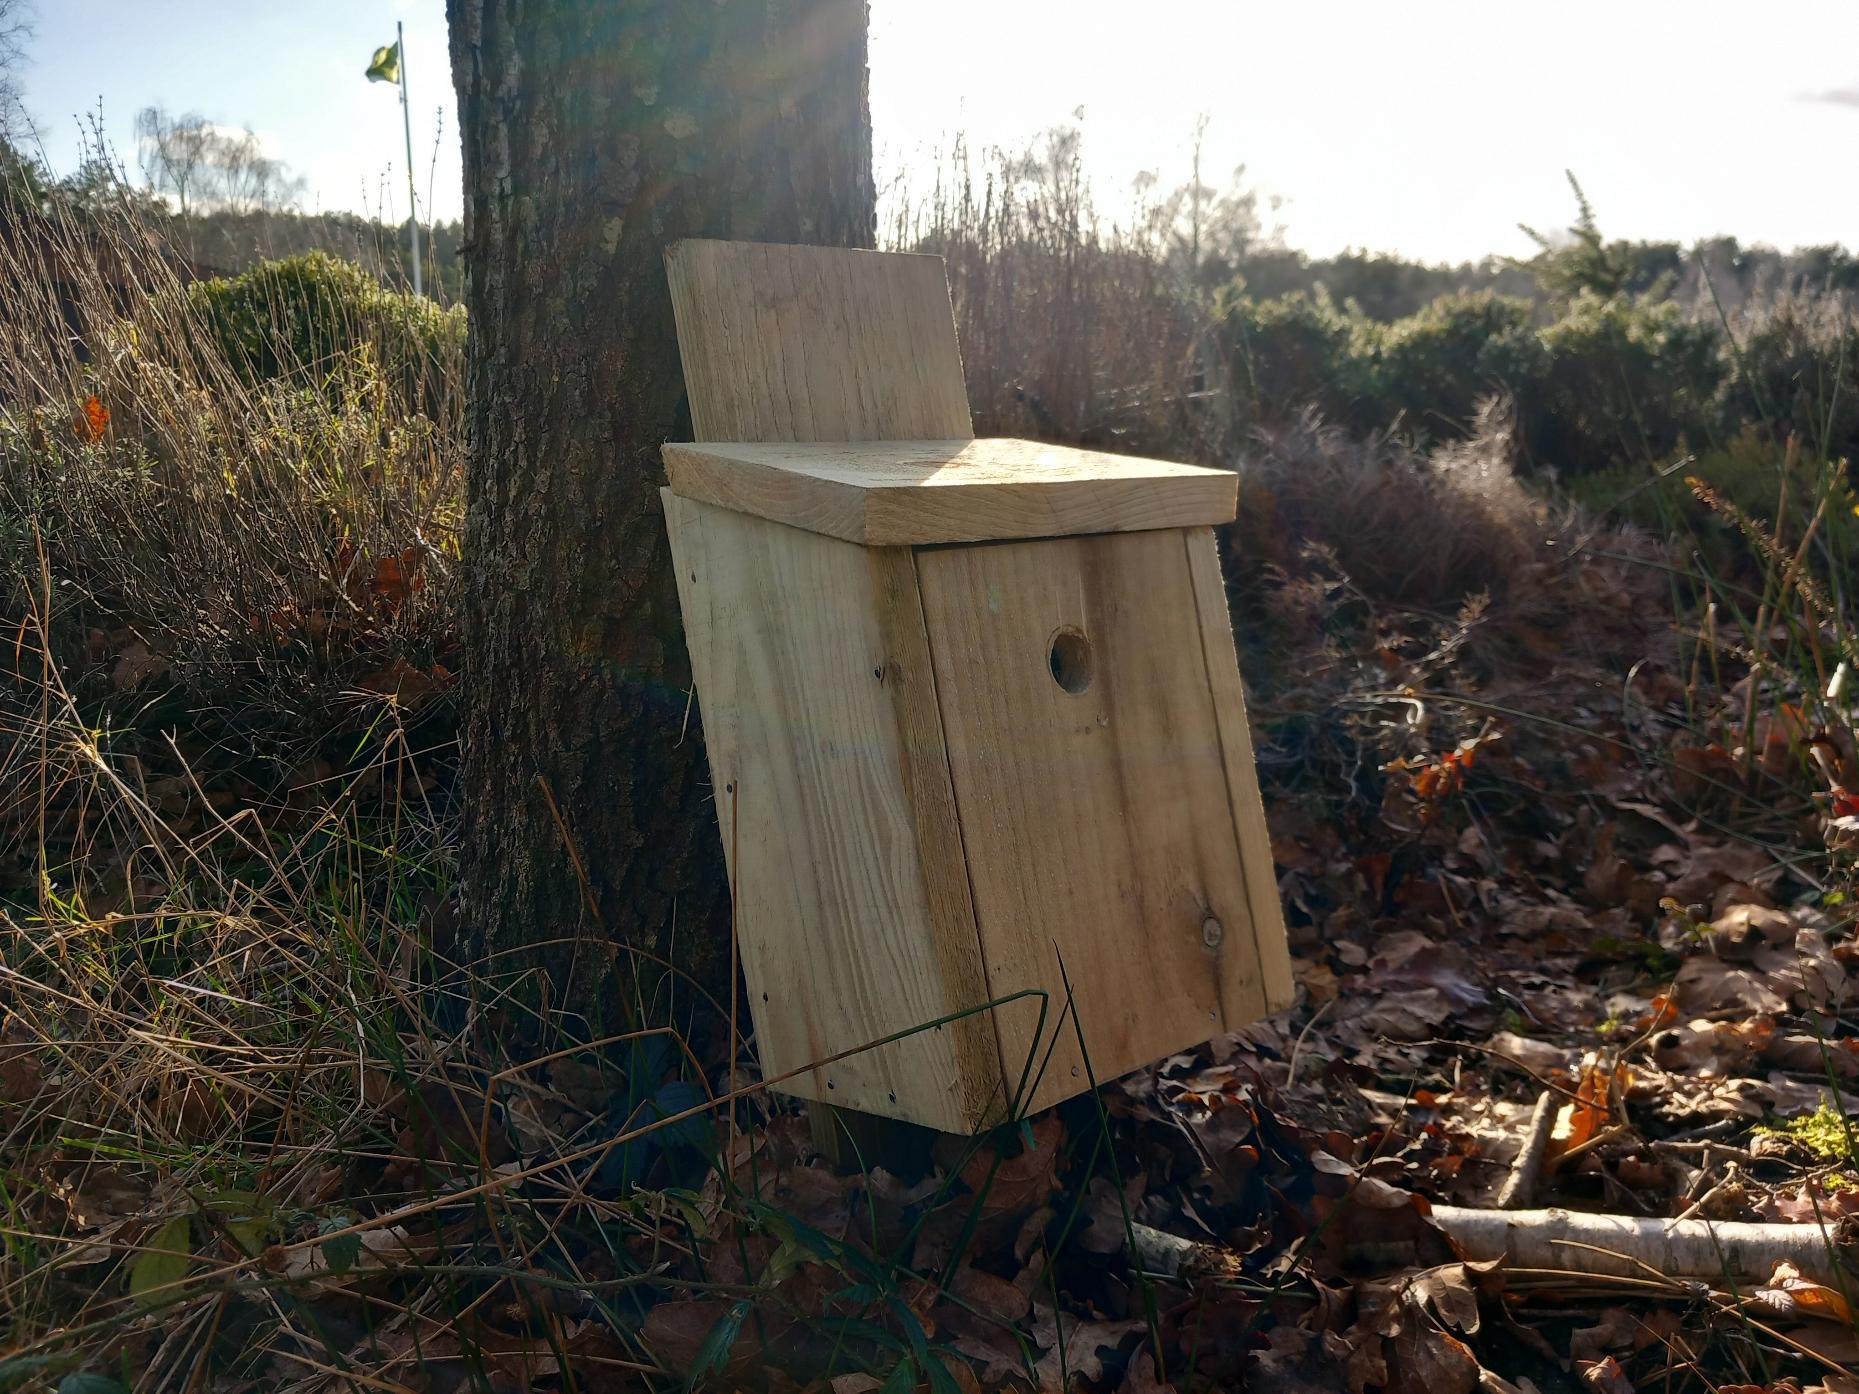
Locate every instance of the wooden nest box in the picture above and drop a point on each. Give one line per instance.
(973, 713)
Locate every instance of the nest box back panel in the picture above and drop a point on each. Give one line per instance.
(816, 344)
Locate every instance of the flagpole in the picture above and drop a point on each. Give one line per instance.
(406, 116)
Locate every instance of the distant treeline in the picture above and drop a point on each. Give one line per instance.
(1385, 288)
(1377, 285)
(225, 241)
(232, 242)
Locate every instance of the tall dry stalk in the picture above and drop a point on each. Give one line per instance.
(1073, 329)
(241, 520)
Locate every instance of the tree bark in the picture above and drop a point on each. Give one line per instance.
(597, 132)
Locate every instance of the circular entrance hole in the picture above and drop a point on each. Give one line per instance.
(1070, 660)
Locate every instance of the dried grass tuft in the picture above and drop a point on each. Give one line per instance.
(1408, 530)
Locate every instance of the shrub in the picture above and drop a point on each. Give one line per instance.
(1608, 382)
(273, 509)
(296, 319)
(1405, 529)
(1747, 472)
(1619, 380)
(1797, 374)
(1429, 371)
(1288, 355)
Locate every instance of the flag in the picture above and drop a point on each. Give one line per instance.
(386, 64)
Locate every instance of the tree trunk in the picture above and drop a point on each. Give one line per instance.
(597, 132)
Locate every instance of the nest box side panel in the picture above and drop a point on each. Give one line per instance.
(1087, 759)
(839, 934)
(1242, 774)
(816, 343)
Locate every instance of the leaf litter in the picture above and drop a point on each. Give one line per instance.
(1605, 909)
(1536, 910)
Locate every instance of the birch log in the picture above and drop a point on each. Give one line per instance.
(1572, 1241)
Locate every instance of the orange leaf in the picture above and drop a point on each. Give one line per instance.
(395, 578)
(1591, 1109)
(1663, 1011)
(92, 421)
(1792, 1294)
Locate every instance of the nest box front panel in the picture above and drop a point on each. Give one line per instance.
(1091, 784)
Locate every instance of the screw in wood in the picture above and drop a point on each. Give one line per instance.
(1212, 932)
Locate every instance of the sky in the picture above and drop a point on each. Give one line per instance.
(1430, 128)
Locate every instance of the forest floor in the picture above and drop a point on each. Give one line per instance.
(1532, 855)
(259, 1134)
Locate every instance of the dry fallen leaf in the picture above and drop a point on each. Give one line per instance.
(22, 1076)
(135, 664)
(993, 1297)
(1604, 1376)
(95, 1196)
(1811, 1205)
(1425, 1360)
(1019, 1182)
(1787, 1293)
(1108, 1230)
(1615, 1330)
(1075, 1347)
(678, 1332)
(1592, 1108)
(1140, 1377)
(1538, 1056)
(383, 1249)
(1445, 1292)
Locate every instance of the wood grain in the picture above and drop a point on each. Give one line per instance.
(1269, 942)
(921, 810)
(1097, 823)
(820, 804)
(816, 344)
(910, 678)
(901, 493)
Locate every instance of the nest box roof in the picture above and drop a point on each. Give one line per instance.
(906, 493)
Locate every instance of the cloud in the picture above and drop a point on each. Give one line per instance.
(1838, 96)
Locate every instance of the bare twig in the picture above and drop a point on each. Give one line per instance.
(1520, 1186)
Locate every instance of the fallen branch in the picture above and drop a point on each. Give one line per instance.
(1626, 1246)
(1171, 1256)
(1568, 1240)
(1520, 1186)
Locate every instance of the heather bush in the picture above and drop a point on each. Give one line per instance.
(1079, 330)
(297, 318)
(1290, 355)
(1428, 372)
(1406, 528)
(1072, 330)
(1620, 380)
(1797, 362)
(1609, 381)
